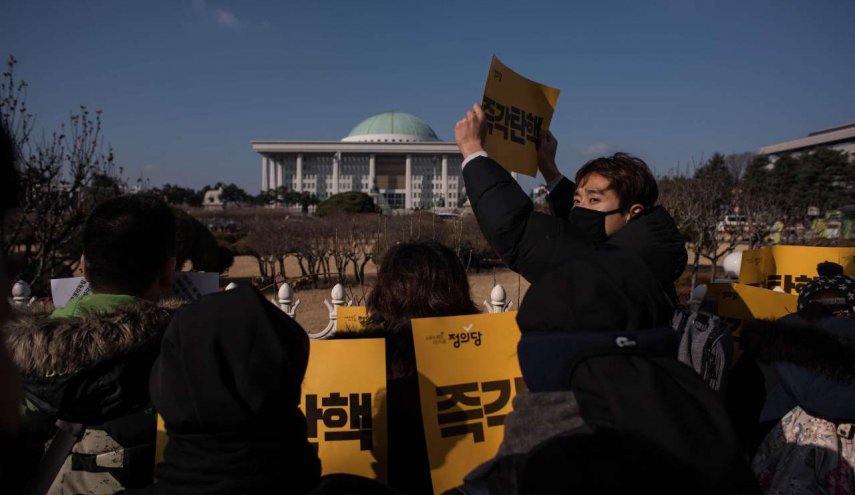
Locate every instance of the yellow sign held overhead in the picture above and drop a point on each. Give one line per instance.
(350, 318)
(516, 110)
(344, 394)
(790, 267)
(468, 376)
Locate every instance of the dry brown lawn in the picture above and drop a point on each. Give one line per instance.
(312, 313)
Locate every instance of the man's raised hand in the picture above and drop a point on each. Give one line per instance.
(547, 147)
(469, 131)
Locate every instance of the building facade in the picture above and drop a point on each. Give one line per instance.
(841, 138)
(393, 156)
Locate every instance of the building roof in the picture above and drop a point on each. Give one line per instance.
(392, 127)
(835, 135)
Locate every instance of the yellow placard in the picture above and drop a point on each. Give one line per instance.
(344, 395)
(343, 398)
(744, 302)
(516, 110)
(468, 376)
(350, 318)
(790, 267)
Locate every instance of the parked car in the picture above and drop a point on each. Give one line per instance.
(732, 223)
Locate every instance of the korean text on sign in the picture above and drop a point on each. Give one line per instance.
(345, 418)
(790, 267)
(344, 395)
(466, 408)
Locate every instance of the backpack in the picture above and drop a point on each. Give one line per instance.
(706, 345)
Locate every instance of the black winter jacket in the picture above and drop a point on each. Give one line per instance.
(627, 423)
(93, 370)
(534, 244)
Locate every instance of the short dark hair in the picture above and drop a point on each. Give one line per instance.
(418, 280)
(126, 241)
(629, 177)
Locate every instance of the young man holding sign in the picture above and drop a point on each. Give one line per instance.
(609, 407)
(612, 208)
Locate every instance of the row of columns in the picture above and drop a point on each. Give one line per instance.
(272, 173)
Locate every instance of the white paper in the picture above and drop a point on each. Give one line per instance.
(187, 285)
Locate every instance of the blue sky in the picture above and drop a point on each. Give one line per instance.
(186, 85)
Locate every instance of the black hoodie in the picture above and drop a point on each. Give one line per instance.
(227, 384)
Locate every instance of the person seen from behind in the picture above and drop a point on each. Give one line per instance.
(418, 279)
(86, 365)
(228, 386)
(808, 366)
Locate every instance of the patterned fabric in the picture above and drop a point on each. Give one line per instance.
(806, 455)
(843, 284)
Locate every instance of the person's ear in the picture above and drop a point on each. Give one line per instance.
(83, 267)
(635, 210)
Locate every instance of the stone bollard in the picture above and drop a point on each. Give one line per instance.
(286, 300)
(337, 295)
(21, 293)
(498, 302)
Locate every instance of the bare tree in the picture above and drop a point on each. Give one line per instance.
(63, 175)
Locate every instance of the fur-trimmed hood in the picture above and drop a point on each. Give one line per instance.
(823, 348)
(93, 368)
(46, 347)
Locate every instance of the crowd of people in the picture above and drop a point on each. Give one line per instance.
(609, 407)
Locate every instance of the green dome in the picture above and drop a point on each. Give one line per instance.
(392, 127)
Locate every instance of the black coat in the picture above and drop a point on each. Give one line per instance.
(227, 383)
(534, 244)
(629, 423)
(93, 370)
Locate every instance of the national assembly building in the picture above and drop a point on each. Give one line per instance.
(395, 157)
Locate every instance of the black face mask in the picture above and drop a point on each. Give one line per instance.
(592, 222)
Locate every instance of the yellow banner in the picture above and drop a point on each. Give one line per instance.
(744, 302)
(344, 395)
(516, 110)
(350, 318)
(468, 376)
(790, 267)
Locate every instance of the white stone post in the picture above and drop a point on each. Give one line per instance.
(280, 166)
(444, 180)
(299, 173)
(408, 183)
(21, 293)
(286, 300)
(337, 295)
(263, 173)
(497, 302)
